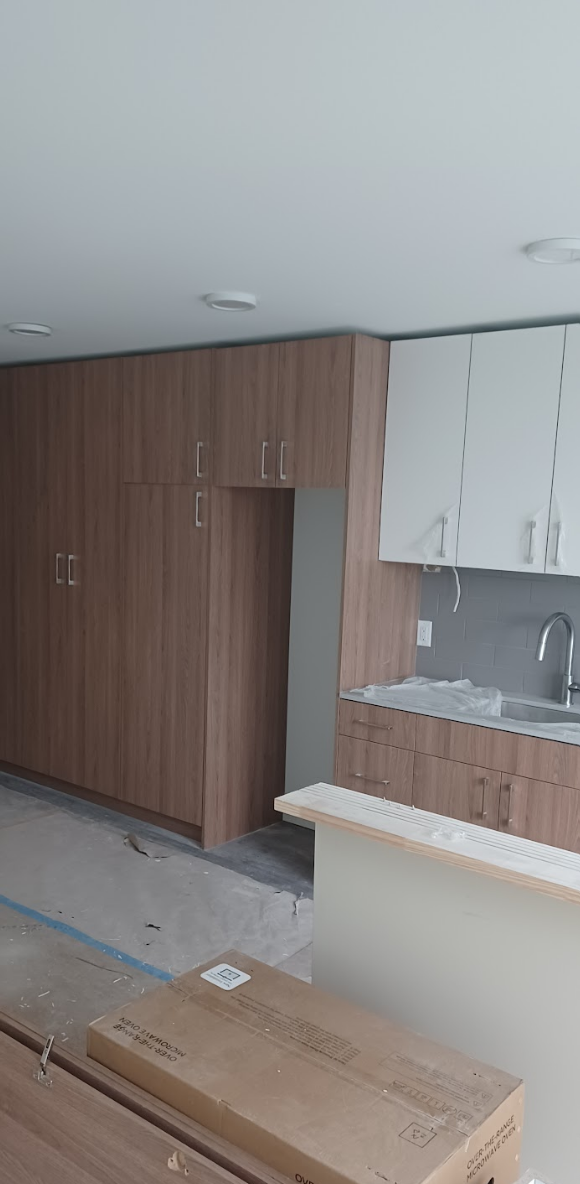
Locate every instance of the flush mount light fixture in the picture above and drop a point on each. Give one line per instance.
(554, 250)
(231, 301)
(29, 329)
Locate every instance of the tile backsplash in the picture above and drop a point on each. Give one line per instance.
(492, 637)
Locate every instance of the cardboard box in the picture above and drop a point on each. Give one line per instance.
(313, 1086)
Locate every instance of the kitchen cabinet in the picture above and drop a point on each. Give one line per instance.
(166, 418)
(512, 418)
(164, 649)
(540, 811)
(376, 769)
(281, 414)
(8, 531)
(245, 396)
(425, 432)
(466, 792)
(313, 412)
(563, 550)
(380, 725)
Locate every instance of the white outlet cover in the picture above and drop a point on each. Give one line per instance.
(424, 631)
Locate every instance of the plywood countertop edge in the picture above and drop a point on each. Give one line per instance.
(535, 866)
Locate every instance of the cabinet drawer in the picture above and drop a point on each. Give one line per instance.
(381, 725)
(377, 769)
(540, 811)
(467, 792)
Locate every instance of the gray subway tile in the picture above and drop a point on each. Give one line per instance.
(545, 686)
(479, 652)
(497, 632)
(485, 676)
(429, 666)
(508, 657)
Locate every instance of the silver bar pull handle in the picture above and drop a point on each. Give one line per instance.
(70, 579)
(366, 724)
(509, 820)
(265, 445)
(59, 557)
(283, 447)
(198, 469)
(198, 498)
(532, 543)
(484, 789)
(373, 780)
(444, 525)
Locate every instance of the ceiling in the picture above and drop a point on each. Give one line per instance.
(358, 164)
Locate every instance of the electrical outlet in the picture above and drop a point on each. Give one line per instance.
(424, 629)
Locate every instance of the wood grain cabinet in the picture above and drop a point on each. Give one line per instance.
(281, 414)
(540, 811)
(166, 418)
(456, 790)
(377, 769)
(380, 725)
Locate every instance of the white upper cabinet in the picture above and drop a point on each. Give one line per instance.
(563, 554)
(512, 419)
(425, 431)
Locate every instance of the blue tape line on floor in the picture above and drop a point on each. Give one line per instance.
(102, 946)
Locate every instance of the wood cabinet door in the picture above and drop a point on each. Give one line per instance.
(458, 791)
(376, 769)
(166, 418)
(425, 432)
(164, 649)
(540, 811)
(9, 517)
(514, 391)
(314, 412)
(245, 394)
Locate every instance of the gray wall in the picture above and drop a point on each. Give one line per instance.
(492, 637)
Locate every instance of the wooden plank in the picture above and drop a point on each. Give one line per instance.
(380, 600)
(136, 1101)
(508, 752)
(376, 769)
(505, 857)
(379, 724)
(166, 415)
(313, 412)
(245, 394)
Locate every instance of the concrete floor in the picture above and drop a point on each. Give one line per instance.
(87, 921)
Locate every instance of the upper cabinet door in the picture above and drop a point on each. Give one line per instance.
(514, 390)
(244, 420)
(563, 554)
(425, 432)
(166, 418)
(313, 413)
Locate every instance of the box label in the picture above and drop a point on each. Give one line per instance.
(225, 976)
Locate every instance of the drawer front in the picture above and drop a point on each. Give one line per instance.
(380, 725)
(466, 792)
(376, 769)
(540, 811)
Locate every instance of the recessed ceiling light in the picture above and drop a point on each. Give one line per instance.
(231, 301)
(28, 329)
(554, 250)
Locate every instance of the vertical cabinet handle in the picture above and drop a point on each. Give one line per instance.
(265, 445)
(532, 542)
(509, 819)
(484, 790)
(558, 555)
(283, 447)
(198, 469)
(58, 559)
(70, 579)
(198, 498)
(444, 525)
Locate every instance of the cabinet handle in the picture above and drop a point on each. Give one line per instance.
(532, 543)
(58, 579)
(484, 789)
(444, 525)
(373, 780)
(69, 571)
(265, 445)
(198, 470)
(198, 498)
(283, 447)
(558, 555)
(509, 819)
(366, 724)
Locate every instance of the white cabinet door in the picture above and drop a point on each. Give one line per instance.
(563, 554)
(425, 432)
(512, 416)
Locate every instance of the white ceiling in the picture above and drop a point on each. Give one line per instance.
(358, 164)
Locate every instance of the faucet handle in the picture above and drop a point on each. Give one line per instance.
(574, 688)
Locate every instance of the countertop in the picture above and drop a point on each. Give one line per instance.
(390, 697)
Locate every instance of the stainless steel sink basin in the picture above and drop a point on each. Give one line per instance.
(539, 714)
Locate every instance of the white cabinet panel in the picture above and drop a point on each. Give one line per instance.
(425, 432)
(563, 554)
(512, 417)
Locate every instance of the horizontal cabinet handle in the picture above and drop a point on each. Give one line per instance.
(374, 780)
(366, 724)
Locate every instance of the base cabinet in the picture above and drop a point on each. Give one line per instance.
(540, 811)
(376, 769)
(459, 791)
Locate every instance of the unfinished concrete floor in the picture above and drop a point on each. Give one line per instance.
(88, 922)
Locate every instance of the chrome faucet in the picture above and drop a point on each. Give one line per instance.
(569, 687)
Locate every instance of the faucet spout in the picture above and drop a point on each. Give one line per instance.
(568, 685)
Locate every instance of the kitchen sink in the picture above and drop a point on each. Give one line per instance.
(540, 713)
